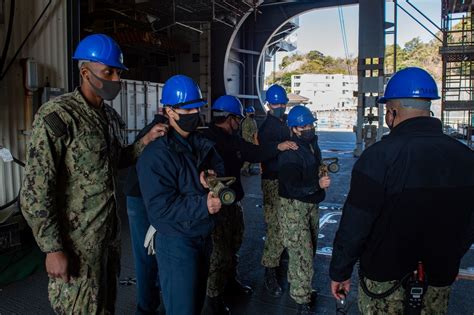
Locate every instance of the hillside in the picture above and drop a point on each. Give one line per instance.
(414, 53)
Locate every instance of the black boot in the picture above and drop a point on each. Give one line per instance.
(271, 283)
(304, 309)
(282, 268)
(215, 306)
(235, 287)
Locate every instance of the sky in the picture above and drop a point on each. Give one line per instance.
(320, 29)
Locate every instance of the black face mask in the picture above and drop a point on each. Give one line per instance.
(308, 135)
(279, 112)
(188, 122)
(394, 114)
(109, 89)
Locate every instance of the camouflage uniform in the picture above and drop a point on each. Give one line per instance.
(273, 243)
(435, 301)
(227, 238)
(69, 198)
(299, 231)
(249, 132)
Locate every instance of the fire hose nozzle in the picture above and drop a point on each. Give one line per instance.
(219, 186)
(329, 165)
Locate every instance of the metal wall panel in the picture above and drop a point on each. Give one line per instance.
(137, 104)
(47, 45)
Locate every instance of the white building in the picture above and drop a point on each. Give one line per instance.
(331, 97)
(326, 91)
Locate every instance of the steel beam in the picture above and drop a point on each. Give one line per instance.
(370, 71)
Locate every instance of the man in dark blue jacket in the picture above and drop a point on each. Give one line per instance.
(410, 202)
(273, 129)
(227, 237)
(172, 181)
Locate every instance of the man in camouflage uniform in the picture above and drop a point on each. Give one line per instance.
(273, 129)
(405, 190)
(249, 133)
(301, 190)
(69, 191)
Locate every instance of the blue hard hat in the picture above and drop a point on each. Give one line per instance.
(100, 48)
(250, 109)
(229, 104)
(181, 91)
(300, 116)
(410, 82)
(276, 95)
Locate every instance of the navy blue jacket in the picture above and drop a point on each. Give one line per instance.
(298, 173)
(234, 151)
(131, 185)
(410, 200)
(272, 130)
(168, 173)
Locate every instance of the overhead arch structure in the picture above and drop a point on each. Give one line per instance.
(238, 54)
(244, 47)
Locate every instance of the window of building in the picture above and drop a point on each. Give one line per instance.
(297, 84)
(297, 77)
(328, 85)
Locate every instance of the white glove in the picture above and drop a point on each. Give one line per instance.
(150, 240)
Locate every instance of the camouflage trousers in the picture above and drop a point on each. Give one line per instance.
(299, 229)
(435, 301)
(273, 242)
(92, 290)
(227, 238)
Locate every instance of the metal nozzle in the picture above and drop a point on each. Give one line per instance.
(220, 188)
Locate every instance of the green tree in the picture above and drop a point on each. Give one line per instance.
(284, 62)
(414, 53)
(285, 80)
(412, 45)
(314, 54)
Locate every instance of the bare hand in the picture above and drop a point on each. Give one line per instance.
(336, 287)
(156, 131)
(213, 203)
(287, 145)
(324, 182)
(202, 178)
(57, 265)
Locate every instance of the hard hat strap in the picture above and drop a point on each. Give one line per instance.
(188, 102)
